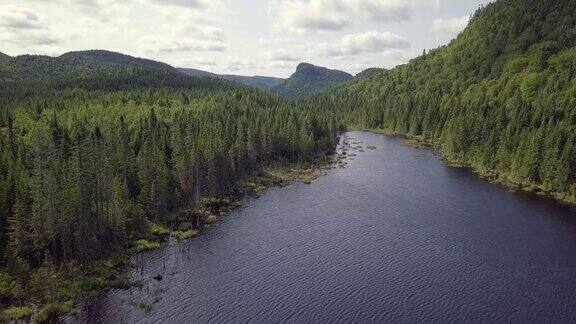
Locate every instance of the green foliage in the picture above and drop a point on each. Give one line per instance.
(368, 73)
(211, 219)
(158, 230)
(88, 284)
(16, 313)
(50, 312)
(529, 86)
(46, 285)
(146, 306)
(145, 245)
(183, 235)
(214, 203)
(9, 289)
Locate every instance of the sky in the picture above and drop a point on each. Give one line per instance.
(246, 37)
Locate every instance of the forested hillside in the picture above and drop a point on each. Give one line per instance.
(309, 80)
(90, 162)
(73, 64)
(368, 72)
(500, 98)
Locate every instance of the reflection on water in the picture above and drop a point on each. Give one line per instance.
(395, 236)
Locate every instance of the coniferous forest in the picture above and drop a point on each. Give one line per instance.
(95, 156)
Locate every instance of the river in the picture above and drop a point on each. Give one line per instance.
(395, 236)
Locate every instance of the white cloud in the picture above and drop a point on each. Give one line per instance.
(384, 10)
(237, 64)
(367, 42)
(299, 16)
(333, 15)
(449, 27)
(183, 34)
(201, 61)
(27, 29)
(103, 4)
(280, 55)
(184, 3)
(187, 45)
(371, 42)
(393, 57)
(19, 18)
(212, 33)
(283, 65)
(100, 10)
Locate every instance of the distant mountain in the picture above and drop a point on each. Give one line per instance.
(96, 70)
(310, 79)
(261, 82)
(369, 72)
(307, 80)
(198, 73)
(26, 67)
(100, 57)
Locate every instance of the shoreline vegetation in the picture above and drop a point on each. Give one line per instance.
(72, 283)
(492, 176)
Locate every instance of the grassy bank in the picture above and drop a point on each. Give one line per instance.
(53, 291)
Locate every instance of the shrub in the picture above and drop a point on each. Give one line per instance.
(214, 202)
(145, 245)
(183, 235)
(8, 287)
(87, 284)
(146, 306)
(46, 285)
(50, 312)
(158, 230)
(211, 219)
(16, 313)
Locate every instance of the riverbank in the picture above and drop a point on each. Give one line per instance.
(488, 174)
(56, 290)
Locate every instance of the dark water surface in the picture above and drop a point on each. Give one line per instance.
(396, 236)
